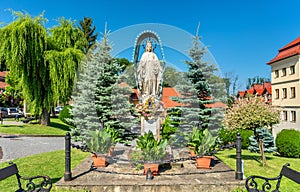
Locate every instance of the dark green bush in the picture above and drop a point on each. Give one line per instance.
(65, 114)
(229, 136)
(288, 143)
(245, 134)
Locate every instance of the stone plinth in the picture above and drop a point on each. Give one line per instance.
(121, 177)
(152, 125)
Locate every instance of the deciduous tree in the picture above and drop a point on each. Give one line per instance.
(252, 114)
(44, 64)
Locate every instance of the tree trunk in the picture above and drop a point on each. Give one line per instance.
(53, 111)
(261, 148)
(45, 117)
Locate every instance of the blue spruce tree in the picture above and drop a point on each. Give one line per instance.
(196, 95)
(84, 111)
(267, 139)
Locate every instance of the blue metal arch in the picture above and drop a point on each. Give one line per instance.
(172, 37)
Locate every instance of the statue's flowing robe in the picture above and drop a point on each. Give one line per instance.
(149, 74)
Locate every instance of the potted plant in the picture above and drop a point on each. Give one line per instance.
(201, 142)
(99, 143)
(152, 151)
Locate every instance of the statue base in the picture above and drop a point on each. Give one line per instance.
(152, 125)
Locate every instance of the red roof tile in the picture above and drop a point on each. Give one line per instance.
(167, 93)
(259, 89)
(241, 93)
(268, 87)
(291, 49)
(216, 105)
(250, 91)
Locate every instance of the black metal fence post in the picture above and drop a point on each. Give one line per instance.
(68, 174)
(239, 172)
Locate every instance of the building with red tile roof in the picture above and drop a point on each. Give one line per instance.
(262, 90)
(289, 50)
(241, 94)
(169, 92)
(285, 76)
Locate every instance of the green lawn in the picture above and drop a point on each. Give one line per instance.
(253, 166)
(51, 164)
(56, 127)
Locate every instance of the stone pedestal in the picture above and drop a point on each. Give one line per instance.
(152, 125)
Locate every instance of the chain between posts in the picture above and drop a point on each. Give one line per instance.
(84, 148)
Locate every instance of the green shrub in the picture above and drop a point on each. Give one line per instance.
(65, 114)
(167, 129)
(245, 134)
(288, 143)
(229, 136)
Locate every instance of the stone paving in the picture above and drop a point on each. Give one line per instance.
(119, 176)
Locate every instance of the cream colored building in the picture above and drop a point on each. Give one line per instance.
(286, 86)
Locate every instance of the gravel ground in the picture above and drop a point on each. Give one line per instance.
(16, 147)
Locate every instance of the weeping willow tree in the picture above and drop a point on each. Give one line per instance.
(43, 63)
(66, 43)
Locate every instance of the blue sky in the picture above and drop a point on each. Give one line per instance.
(241, 35)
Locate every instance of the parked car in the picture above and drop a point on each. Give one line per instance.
(58, 109)
(13, 112)
(4, 112)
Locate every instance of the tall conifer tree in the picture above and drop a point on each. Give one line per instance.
(196, 94)
(84, 108)
(106, 81)
(102, 100)
(88, 30)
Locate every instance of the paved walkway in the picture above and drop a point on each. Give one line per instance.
(16, 146)
(12, 122)
(13, 147)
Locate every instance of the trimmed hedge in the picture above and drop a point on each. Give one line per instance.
(229, 136)
(65, 114)
(288, 143)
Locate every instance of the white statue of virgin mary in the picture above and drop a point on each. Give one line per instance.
(149, 73)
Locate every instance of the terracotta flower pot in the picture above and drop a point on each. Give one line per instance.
(203, 162)
(99, 161)
(153, 168)
(192, 152)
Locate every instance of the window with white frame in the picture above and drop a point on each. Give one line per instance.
(293, 92)
(284, 116)
(293, 116)
(292, 69)
(276, 73)
(283, 72)
(276, 93)
(284, 93)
